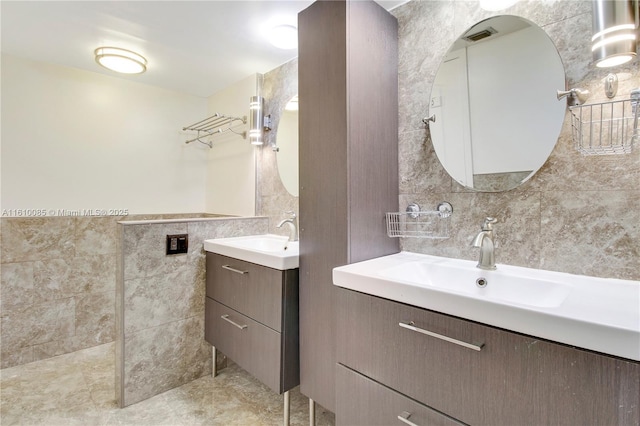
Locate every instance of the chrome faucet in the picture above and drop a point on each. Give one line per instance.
(484, 240)
(293, 225)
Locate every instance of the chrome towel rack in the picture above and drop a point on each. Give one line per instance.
(217, 123)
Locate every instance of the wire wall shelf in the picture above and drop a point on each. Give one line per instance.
(605, 128)
(420, 224)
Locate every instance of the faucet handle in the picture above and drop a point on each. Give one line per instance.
(488, 223)
(291, 213)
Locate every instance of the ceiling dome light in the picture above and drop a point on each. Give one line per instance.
(120, 60)
(284, 37)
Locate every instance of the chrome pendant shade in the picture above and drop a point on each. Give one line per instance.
(614, 40)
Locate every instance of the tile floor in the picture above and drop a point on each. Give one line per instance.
(78, 389)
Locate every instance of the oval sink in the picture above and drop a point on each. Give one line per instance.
(273, 251)
(501, 285)
(600, 314)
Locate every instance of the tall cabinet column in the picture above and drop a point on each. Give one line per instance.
(348, 153)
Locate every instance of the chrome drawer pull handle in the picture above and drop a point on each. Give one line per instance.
(237, 271)
(411, 326)
(226, 318)
(404, 418)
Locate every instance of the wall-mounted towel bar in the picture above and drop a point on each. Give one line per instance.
(217, 123)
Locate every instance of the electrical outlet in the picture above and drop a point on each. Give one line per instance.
(178, 243)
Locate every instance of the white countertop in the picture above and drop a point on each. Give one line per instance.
(600, 314)
(272, 251)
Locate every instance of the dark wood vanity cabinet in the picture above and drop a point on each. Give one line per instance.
(512, 380)
(362, 401)
(348, 154)
(251, 316)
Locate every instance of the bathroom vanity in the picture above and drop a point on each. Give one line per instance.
(251, 310)
(399, 363)
(251, 315)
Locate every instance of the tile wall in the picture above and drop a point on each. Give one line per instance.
(160, 304)
(578, 214)
(57, 286)
(272, 199)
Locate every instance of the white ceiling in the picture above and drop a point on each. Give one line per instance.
(196, 47)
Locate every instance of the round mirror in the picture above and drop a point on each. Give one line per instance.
(287, 142)
(495, 114)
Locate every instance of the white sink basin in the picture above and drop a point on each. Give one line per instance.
(600, 314)
(273, 251)
(462, 277)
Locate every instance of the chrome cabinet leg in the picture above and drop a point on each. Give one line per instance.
(287, 408)
(214, 366)
(312, 412)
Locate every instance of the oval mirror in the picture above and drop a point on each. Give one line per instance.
(497, 117)
(287, 141)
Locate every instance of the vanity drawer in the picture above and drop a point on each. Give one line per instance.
(362, 401)
(251, 345)
(436, 373)
(253, 290)
(513, 379)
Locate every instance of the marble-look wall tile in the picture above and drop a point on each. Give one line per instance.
(575, 52)
(419, 168)
(518, 217)
(223, 228)
(94, 325)
(164, 357)
(95, 235)
(95, 318)
(591, 233)
(145, 247)
(12, 356)
(119, 305)
(160, 304)
(37, 324)
(276, 208)
(151, 301)
(578, 214)
(569, 170)
(55, 306)
(51, 268)
(272, 198)
(425, 32)
(54, 278)
(60, 278)
(25, 239)
(53, 260)
(17, 286)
